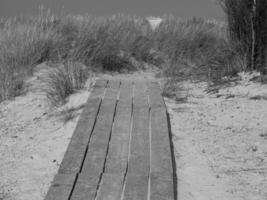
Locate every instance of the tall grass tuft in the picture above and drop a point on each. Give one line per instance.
(64, 80)
(23, 43)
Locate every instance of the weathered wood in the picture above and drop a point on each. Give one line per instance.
(100, 83)
(161, 188)
(85, 188)
(103, 162)
(117, 158)
(140, 98)
(72, 162)
(97, 89)
(98, 146)
(161, 158)
(61, 187)
(136, 188)
(95, 159)
(139, 155)
(155, 97)
(85, 124)
(126, 93)
(74, 155)
(111, 187)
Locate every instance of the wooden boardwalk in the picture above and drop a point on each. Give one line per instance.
(120, 149)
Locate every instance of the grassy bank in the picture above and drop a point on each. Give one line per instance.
(182, 48)
(99, 43)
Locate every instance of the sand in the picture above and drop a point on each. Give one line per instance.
(220, 142)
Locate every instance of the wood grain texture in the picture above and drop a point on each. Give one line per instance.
(111, 187)
(161, 188)
(98, 145)
(161, 157)
(61, 187)
(72, 162)
(140, 152)
(85, 125)
(85, 188)
(136, 188)
(98, 87)
(155, 97)
(140, 98)
(119, 144)
(74, 155)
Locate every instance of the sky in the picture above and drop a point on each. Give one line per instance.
(180, 8)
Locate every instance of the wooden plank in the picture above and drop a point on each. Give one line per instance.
(139, 155)
(113, 84)
(63, 182)
(99, 85)
(126, 93)
(85, 124)
(117, 158)
(111, 187)
(72, 161)
(155, 97)
(74, 155)
(61, 187)
(58, 193)
(112, 89)
(104, 123)
(136, 188)
(98, 146)
(84, 192)
(140, 98)
(161, 188)
(161, 157)
(95, 159)
(85, 188)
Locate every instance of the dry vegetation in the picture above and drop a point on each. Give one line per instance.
(98, 43)
(182, 48)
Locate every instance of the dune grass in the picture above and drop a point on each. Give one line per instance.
(61, 81)
(98, 42)
(197, 49)
(181, 48)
